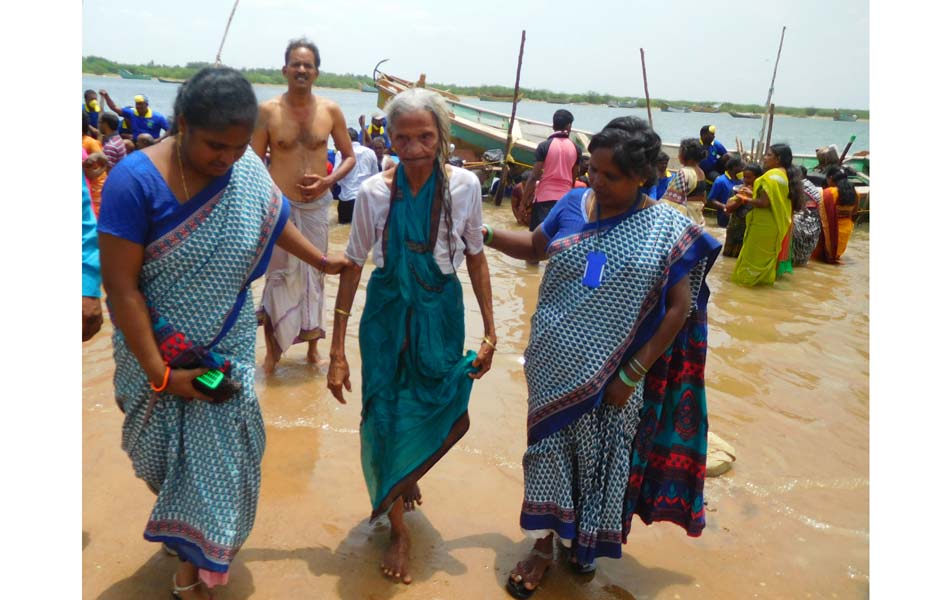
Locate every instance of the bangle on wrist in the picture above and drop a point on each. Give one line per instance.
(487, 340)
(626, 380)
(489, 234)
(161, 388)
(340, 311)
(637, 365)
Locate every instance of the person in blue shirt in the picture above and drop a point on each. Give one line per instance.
(377, 128)
(91, 108)
(715, 151)
(141, 119)
(724, 188)
(91, 277)
(663, 176)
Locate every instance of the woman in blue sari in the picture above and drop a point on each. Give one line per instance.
(420, 221)
(185, 226)
(616, 401)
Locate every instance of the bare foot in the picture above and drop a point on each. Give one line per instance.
(313, 356)
(396, 559)
(411, 497)
(530, 571)
(270, 363)
(200, 592)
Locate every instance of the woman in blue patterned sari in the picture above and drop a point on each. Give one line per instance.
(185, 226)
(616, 402)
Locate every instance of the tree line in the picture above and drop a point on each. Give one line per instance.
(98, 65)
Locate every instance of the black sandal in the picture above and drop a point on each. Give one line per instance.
(517, 589)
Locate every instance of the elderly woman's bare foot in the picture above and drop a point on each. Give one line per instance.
(396, 559)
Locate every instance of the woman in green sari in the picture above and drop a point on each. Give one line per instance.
(420, 221)
(775, 195)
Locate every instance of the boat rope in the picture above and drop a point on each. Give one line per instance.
(217, 59)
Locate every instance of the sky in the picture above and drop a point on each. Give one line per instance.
(694, 50)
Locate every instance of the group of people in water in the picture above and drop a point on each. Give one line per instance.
(616, 409)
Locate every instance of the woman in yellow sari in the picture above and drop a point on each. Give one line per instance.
(775, 195)
(839, 203)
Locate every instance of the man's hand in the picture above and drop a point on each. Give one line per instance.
(313, 186)
(91, 317)
(338, 377)
(362, 121)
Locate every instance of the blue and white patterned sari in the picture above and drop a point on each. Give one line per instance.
(580, 457)
(202, 459)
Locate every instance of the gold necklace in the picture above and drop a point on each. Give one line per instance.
(181, 170)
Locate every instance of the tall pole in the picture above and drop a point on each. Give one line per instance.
(768, 138)
(768, 101)
(217, 59)
(500, 192)
(646, 90)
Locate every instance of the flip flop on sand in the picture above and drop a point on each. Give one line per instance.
(516, 587)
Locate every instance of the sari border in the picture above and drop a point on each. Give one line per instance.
(175, 237)
(584, 396)
(216, 557)
(456, 432)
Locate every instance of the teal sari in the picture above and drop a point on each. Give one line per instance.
(415, 372)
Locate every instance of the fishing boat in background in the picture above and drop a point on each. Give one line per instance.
(674, 109)
(124, 74)
(744, 115)
(505, 99)
(704, 108)
(478, 129)
(368, 88)
(169, 80)
(849, 118)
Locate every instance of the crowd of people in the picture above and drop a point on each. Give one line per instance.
(179, 220)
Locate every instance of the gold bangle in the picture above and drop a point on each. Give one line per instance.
(340, 311)
(485, 340)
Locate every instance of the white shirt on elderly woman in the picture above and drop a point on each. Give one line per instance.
(372, 209)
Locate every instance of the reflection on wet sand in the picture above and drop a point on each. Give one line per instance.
(787, 378)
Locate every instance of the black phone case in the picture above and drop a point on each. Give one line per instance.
(224, 392)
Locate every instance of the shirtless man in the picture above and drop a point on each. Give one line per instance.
(295, 127)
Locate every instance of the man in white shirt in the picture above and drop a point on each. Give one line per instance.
(366, 167)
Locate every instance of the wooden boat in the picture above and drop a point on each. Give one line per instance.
(702, 108)
(368, 88)
(839, 116)
(130, 75)
(674, 109)
(478, 129)
(744, 115)
(505, 99)
(168, 80)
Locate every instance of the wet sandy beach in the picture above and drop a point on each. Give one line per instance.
(787, 386)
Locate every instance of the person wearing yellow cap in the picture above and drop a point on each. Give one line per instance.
(91, 108)
(141, 118)
(712, 165)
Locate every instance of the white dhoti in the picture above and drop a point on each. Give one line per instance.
(293, 290)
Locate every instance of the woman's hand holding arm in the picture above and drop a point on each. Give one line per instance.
(295, 243)
(338, 376)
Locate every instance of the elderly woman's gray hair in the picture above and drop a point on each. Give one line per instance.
(414, 100)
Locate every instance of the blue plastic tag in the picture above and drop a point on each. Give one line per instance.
(594, 273)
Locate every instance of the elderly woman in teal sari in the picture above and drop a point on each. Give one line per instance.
(616, 401)
(185, 226)
(420, 221)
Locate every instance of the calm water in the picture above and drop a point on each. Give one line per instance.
(803, 135)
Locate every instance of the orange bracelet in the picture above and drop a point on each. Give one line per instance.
(164, 385)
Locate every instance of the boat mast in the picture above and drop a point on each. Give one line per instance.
(217, 59)
(500, 193)
(646, 90)
(768, 101)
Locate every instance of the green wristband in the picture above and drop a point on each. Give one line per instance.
(626, 380)
(489, 233)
